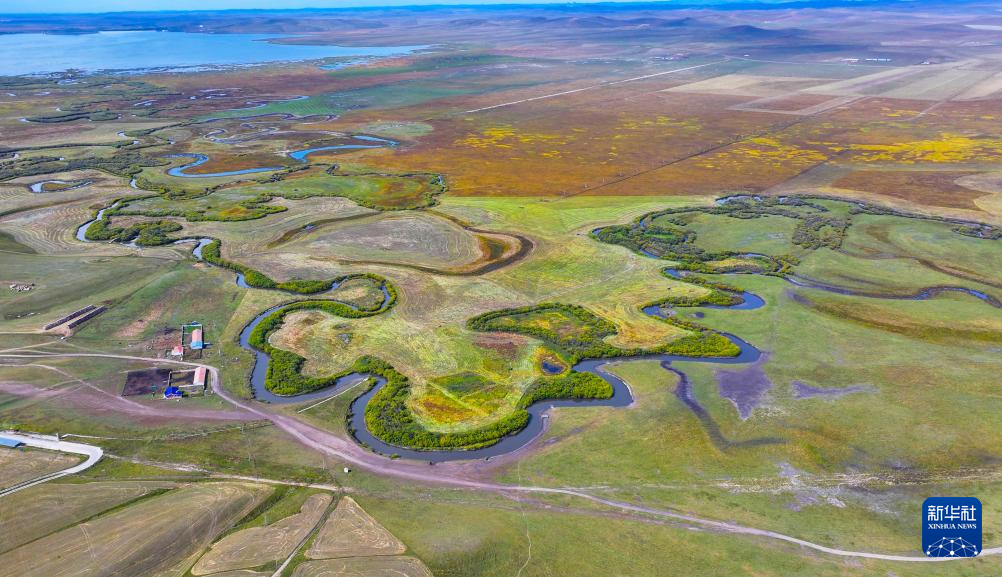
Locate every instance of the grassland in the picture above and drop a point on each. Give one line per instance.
(254, 200)
(256, 546)
(545, 129)
(44, 509)
(131, 539)
(401, 566)
(351, 532)
(872, 353)
(409, 238)
(425, 303)
(23, 465)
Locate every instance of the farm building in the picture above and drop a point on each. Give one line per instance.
(177, 351)
(196, 340)
(199, 377)
(10, 443)
(188, 382)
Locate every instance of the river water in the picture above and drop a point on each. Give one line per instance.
(299, 155)
(22, 54)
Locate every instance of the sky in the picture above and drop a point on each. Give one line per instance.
(43, 6)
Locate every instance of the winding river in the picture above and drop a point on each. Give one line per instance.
(298, 155)
(538, 412)
(803, 282)
(39, 187)
(82, 230)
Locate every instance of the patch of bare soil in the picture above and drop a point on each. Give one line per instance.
(145, 382)
(746, 387)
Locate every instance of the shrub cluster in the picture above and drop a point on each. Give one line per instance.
(145, 233)
(589, 343)
(94, 116)
(586, 341)
(816, 231)
(714, 297)
(388, 417)
(573, 385)
(212, 254)
(980, 231)
(125, 163)
(700, 343)
(663, 234)
(256, 208)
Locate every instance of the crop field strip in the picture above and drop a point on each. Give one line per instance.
(19, 466)
(45, 509)
(117, 544)
(270, 531)
(256, 546)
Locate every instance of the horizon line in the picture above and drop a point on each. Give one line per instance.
(508, 4)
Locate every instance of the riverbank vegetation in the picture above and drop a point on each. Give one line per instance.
(154, 233)
(125, 163)
(252, 201)
(716, 293)
(388, 416)
(577, 333)
(211, 253)
(285, 376)
(793, 227)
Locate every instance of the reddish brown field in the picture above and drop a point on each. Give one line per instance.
(930, 188)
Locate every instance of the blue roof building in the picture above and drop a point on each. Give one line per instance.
(172, 393)
(12, 443)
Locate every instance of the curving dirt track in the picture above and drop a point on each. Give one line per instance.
(470, 475)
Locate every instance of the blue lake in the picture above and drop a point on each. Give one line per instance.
(169, 51)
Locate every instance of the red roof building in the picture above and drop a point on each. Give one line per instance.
(196, 339)
(199, 377)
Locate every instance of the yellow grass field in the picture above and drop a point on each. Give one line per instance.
(139, 540)
(258, 545)
(364, 567)
(351, 532)
(17, 466)
(40, 510)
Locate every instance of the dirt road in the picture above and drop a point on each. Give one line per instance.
(92, 452)
(469, 474)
